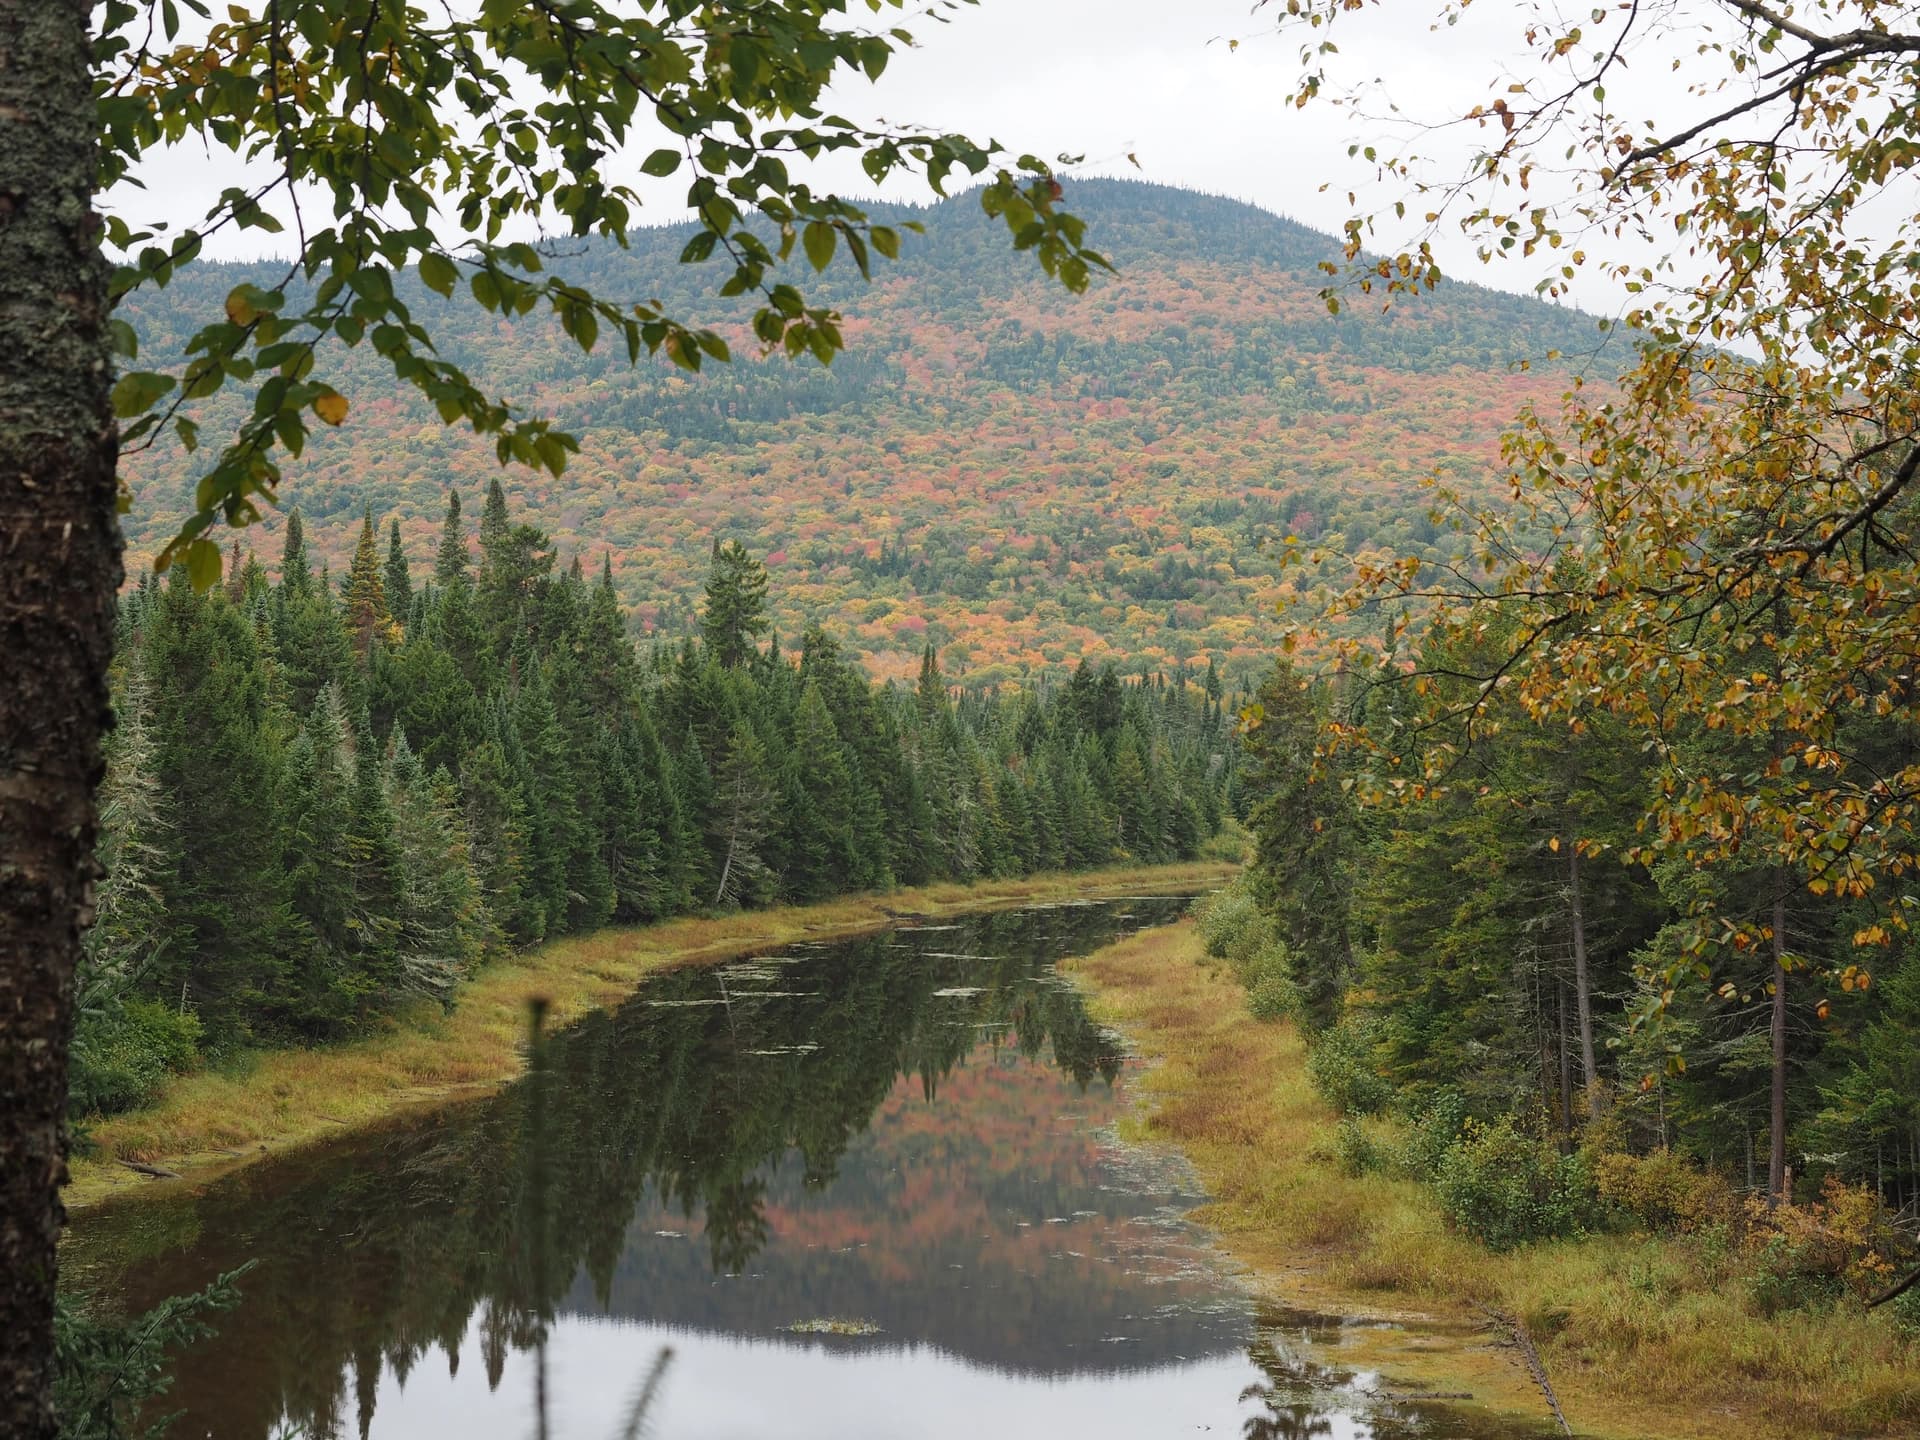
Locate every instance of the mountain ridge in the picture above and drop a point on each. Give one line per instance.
(1018, 475)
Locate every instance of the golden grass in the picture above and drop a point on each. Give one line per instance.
(213, 1121)
(1642, 1337)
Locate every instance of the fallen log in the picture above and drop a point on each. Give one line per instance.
(154, 1170)
(1513, 1326)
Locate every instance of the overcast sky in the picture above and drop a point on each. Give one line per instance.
(1109, 79)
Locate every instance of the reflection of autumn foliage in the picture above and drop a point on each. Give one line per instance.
(1023, 477)
(880, 1128)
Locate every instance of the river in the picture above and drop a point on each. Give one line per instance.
(861, 1190)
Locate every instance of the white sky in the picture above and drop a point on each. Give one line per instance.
(1107, 79)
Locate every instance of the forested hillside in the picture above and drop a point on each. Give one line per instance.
(328, 796)
(1020, 477)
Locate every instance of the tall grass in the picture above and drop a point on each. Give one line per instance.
(1644, 1336)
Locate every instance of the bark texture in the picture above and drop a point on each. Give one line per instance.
(59, 573)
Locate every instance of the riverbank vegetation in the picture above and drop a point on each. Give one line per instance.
(327, 802)
(1742, 1325)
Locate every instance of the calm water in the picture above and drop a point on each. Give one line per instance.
(862, 1189)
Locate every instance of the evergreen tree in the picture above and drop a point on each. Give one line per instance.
(821, 858)
(396, 579)
(736, 605)
(367, 618)
(451, 562)
(296, 574)
(218, 764)
(741, 819)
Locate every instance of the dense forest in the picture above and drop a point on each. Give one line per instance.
(1503, 958)
(1020, 477)
(327, 797)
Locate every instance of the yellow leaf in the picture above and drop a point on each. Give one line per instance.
(1554, 844)
(330, 407)
(240, 310)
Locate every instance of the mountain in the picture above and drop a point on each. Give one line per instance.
(1021, 476)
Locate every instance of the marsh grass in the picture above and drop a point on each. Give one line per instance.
(1644, 1336)
(266, 1100)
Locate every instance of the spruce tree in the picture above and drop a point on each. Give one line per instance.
(819, 813)
(296, 574)
(451, 561)
(218, 763)
(735, 613)
(396, 578)
(367, 618)
(741, 820)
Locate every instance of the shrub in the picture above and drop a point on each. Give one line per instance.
(1506, 1189)
(1663, 1191)
(1357, 1151)
(1271, 994)
(1812, 1254)
(1341, 1066)
(123, 1052)
(1232, 925)
(1433, 1130)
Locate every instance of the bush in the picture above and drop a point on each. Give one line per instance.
(1507, 1189)
(1271, 994)
(124, 1051)
(1341, 1066)
(1357, 1151)
(1433, 1131)
(1663, 1191)
(1232, 925)
(1813, 1254)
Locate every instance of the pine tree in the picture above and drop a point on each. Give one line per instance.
(441, 929)
(396, 579)
(496, 815)
(296, 575)
(819, 810)
(451, 562)
(368, 620)
(741, 820)
(217, 762)
(321, 869)
(736, 605)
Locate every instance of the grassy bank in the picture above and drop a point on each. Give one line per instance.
(1642, 1336)
(274, 1098)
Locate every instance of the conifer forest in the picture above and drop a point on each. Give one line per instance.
(418, 777)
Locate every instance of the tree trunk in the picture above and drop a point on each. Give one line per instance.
(1582, 991)
(1777, 1140)
(1566, 1060)
(59, 573)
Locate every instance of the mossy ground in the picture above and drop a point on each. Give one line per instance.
(267, 1100)
(1642, 1336)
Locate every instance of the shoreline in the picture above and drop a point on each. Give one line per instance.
(212, 1122)
(1232, 1094)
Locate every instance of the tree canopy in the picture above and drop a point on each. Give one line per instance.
(1716, 549)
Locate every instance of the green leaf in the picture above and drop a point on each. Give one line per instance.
(438, 273)
(661, 163)
(819, 239)
(136, 392)
(203, 564)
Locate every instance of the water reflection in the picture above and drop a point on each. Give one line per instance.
(859, 1189)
